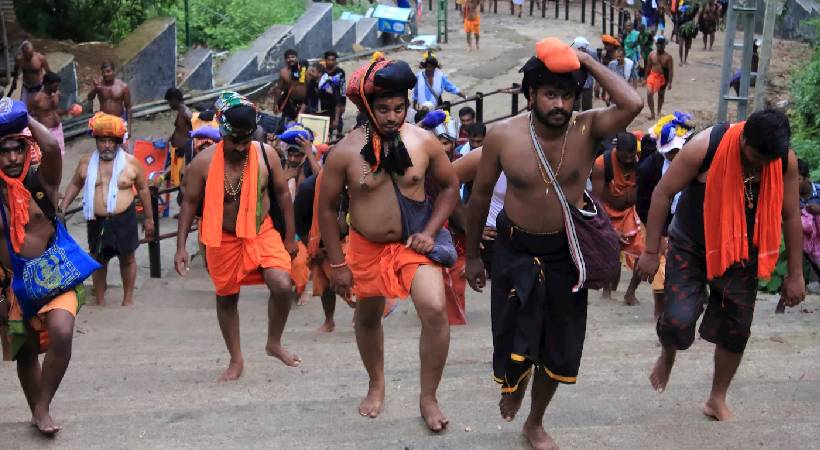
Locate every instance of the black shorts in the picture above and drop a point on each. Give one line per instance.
(117, 235)
(536, 318)
(727, 321)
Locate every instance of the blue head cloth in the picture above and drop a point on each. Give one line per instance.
(13, 116)
(207, 132)
(433, 119)
(297, 130)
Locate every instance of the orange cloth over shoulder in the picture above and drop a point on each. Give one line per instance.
(211, 228)
(18, 197)
(625, 222)
(382, 269)
(724, 213)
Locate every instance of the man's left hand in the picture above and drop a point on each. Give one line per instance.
(420, 243)
(292, 248)
(793, 291)
(149, 229)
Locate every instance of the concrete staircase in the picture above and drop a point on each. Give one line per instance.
(144, 378)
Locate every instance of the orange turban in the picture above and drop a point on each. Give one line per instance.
(106, 125)
(610, 40)
(557, 56)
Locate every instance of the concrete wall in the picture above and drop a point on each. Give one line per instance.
(270, 48)
(344, 35)
(63, 64)
(313, 32)
(367, 32)
(240, 66)
(149, 59)
(793, 23)
(198, 70)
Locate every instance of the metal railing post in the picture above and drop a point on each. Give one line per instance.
(479, 107)
(154, 258)
(445, 105)
(603, 18)
(556, 8)
(495, 6)
(583, 11)
(514, 108)
(543, 8)
(566, 9)
(611, 19)
(592, 20)
(532, 7)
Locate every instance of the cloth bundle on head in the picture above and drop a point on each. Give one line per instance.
(610, 40)
(107, 125)
(554, 63)
(206, 132)
(381, 77)
(447, 129)
(235, 112)
(434, 119)
(13, 116)
(580, 42)
(294, 132)
(672, 131)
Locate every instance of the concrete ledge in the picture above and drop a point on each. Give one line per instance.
(313, 32)
(344, 35)
(270, 48)
(367, 32)
(63, 64)
(240, 66)
(149, 59)
(197, 70)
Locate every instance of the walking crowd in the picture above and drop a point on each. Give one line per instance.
(413, 202)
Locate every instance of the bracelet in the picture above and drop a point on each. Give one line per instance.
(339, 266)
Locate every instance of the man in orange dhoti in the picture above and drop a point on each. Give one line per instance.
(242, 246)
(394, 228)
(614, 181)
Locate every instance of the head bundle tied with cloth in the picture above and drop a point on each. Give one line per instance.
(13, 123)
(378, 79)
(237, 117)
(672, 131)
(104, 126)
(554, 64)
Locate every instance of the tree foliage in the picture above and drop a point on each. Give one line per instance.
(805, 117)
(85, 20)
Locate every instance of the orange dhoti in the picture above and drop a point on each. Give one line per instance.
(300, 272)
(472, 25)
(455, 284)
(655, 82)
(382, 269)
(237, 261)
(625, 222)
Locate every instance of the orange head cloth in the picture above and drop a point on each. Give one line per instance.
(211, 228)
(17, 196)
(610, 40)
(556, 55)
(724, 213)
(106, 125)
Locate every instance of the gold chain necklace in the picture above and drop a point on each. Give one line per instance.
(747, 191)
(233, 191)
(541, 169)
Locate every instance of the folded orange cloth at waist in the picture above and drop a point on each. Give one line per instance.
(381, 269)
(655, 81)
(237, 261)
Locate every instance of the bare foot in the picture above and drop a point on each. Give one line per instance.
(538, 438)
(277, 351)
(511, 403)
(660, 373)
(651, 117)
(233, 372)
(100, 301)
(432, 415)
(303, 299)
(371, 405)
(718, 410)
(128, 303)
(327, 327)
(630, 299)
(45, 424)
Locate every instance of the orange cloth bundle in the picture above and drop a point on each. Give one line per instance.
(724, 210)
(107, 125)
(557, 56)
(381, 269)
(610, 40)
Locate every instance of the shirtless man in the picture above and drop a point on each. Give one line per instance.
(115, 97)
(45, 107)
(472, 22)
(57, 316)
(707, 20)
(34, 65)
(180, 137)
(660, 69)
(290, 90)
(380, 261)
(107, 178)
(551, 85)
(238, 249)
